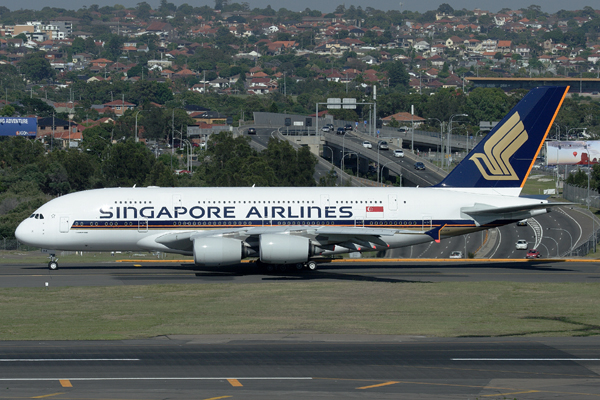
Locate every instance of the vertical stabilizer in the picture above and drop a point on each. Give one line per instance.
(504, 158)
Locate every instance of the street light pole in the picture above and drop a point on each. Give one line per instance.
(441, 139)
(450, 135)
(381, 172)
(549, 237)
(589, 173)
(571, 236)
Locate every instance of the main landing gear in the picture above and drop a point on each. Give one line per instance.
(53, 263)
(310, 265)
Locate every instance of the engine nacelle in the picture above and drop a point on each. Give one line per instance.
(284, 249)
(218, 251)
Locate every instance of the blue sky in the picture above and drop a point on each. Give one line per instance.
(423, 5)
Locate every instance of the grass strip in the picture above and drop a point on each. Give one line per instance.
(441, 309)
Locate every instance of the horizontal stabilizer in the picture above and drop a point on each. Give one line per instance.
(485, 209)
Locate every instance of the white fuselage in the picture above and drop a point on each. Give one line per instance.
(129, 218)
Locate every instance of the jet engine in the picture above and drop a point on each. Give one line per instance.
(218, 251)
(285, 249)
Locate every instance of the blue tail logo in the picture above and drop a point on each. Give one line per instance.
(499, 149)
(505, 157)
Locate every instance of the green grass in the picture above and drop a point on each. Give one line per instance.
(441, 309)
(537, 183)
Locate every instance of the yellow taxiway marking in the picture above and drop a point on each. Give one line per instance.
(217, 398)
(234, 382)
(137, 265)
(509, 394)
(47, 395)
(65, 383)
(379, 385)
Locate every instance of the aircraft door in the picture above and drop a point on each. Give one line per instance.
(393, 202)
(426, 225)
(64, 224)
(143, 226)
(324, 200)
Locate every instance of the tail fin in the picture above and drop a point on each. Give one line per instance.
(506, 155)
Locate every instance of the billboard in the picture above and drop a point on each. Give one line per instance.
(11, 126)
(580, 152)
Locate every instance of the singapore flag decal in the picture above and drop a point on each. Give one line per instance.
(374, 209)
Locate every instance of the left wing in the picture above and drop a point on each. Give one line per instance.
(354, 238)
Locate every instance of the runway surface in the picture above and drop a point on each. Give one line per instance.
(302, 368)
(144, 273)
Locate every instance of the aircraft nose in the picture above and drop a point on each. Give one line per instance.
(22, 233)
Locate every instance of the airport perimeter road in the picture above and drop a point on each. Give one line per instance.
(385, 270)
(302, 367)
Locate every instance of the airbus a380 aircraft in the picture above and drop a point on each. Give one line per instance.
(221, 226)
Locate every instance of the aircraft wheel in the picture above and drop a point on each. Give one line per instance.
(53, 265)
(270, 268)
(282, 267)
(299, 266)
(311, 265)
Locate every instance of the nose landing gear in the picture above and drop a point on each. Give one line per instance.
(53, 263)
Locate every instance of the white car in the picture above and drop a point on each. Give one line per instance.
(367, 144)
(399, 153)
(456, 254)
(521, 244)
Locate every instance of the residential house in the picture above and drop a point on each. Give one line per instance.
(118, 107)
(405, 118)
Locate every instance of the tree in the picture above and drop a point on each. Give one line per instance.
(397, 73)
(143, 10)
(36, 68)
(7, 111)
(445, 8)
(293, 167)
(127, 164)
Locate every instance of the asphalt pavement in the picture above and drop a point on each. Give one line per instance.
(144, 272)
(302, 367)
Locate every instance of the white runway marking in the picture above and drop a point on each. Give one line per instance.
(161, 378)
(526, 359)
(64, 359)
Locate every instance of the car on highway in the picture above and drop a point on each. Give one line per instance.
(521, 244)
(533, 253)
(419, 166)
(522, 222)
(399, 153)
(403, 129)
(251, 131)
(340, 131)
(383, 145)
(348, 127)
(327, 128)
(456, 254)
(367, 144)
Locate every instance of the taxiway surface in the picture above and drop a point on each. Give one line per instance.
(301, 367)
(145, 273)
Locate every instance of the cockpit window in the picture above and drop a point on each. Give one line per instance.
(32, 216)
(37, 216)
(41, 216)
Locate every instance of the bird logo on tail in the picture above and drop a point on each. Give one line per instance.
(495, 163)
